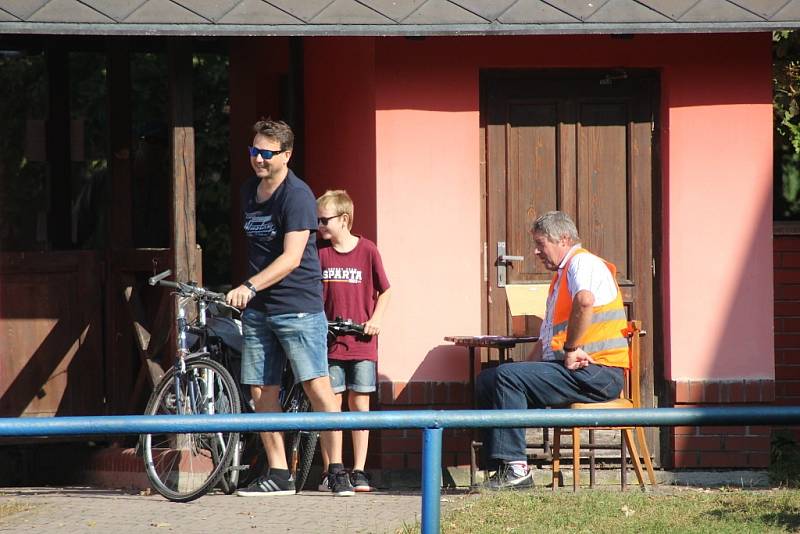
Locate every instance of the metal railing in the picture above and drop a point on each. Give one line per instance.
(432, 422)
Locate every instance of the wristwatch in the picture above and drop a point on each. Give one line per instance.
(567, 350)
(249, 285)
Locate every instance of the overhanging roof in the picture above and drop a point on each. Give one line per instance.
(392, 17)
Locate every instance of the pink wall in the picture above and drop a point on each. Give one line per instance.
(340, 122)
(719, 194)
(716, 186)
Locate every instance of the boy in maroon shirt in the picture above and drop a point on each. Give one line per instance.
(354, 286)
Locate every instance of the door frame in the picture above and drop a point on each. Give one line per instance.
(658, 441)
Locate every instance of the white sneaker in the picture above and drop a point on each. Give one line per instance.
(324, 484)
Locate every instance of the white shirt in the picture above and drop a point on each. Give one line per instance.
(586, 272)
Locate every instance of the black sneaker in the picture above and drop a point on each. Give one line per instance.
(505, 478)
(360, 481)
(340, 484)
(267, 486)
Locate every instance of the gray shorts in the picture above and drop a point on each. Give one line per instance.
(355, 375)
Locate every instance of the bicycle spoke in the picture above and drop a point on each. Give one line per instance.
(184, 466)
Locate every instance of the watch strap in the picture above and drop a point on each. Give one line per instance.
(249, 285)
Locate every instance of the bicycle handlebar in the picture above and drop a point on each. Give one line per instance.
(187, 290)
(344, 327)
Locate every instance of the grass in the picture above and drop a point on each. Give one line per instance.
(666, 510)
(9, 508)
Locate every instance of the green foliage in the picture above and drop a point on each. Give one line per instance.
(89, 177)
(211, 110)
(23, 183)
(786, 107)
(784, 465)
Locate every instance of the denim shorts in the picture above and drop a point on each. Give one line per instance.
(355, 375)
(270, 339)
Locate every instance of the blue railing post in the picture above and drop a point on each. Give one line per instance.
(431, 479)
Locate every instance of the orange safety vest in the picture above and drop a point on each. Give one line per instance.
(604, 340)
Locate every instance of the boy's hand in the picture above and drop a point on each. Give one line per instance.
(372, 327)
(238, 297)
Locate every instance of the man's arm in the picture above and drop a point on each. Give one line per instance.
(294, 244)
(373, 326)
(579, 320)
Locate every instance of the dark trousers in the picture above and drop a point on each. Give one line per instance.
(522, 385)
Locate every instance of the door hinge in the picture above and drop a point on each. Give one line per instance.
(653, 266)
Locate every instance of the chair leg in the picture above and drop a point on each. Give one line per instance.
(637, 465)
(646, 452)
(591, 458)
(473, 462)
(623, 462)
(555, 449)
(576, 458)
(545, 440)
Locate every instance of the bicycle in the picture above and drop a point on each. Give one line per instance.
(300, 445)
(185, 466)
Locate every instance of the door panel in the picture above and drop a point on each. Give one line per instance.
(51, 334)
(602, 174)
(580, 142)
(533, 155)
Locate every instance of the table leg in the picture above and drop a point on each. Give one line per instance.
(473, 461)
(472, 375)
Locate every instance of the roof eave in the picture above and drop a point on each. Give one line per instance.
(111, 29)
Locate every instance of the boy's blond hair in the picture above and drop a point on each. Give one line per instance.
(340, 201)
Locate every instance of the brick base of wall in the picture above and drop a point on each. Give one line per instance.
(116, 467)
(721, 447)
(402, 449)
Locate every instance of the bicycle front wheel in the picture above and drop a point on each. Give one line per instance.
(183, 467)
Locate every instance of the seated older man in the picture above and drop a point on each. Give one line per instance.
(581, 353)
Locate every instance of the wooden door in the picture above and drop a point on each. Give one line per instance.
(51, 331)
(580, 142)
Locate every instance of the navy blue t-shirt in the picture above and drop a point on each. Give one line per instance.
(291, 207)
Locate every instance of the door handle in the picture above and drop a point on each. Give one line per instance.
(510, 258)
(502, 263)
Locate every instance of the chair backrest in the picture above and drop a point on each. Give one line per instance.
(632, 387)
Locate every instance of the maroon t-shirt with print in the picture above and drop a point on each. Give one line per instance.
(351, 283)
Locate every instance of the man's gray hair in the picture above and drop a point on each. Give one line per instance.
(555, 225)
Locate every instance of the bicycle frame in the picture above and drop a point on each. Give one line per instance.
(198, 383)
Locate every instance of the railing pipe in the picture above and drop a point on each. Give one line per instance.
(431, 479)
(431, 421)
(140, 424)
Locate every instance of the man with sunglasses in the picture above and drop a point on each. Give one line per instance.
(282, 299)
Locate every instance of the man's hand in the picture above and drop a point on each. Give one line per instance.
(577, 359)
(238, 297)
(372, 327)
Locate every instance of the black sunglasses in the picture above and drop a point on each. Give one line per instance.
(323, 221)
(266, 154)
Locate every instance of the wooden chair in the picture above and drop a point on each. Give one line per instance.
(630, 397)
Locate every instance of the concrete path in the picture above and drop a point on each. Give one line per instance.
(77, 509)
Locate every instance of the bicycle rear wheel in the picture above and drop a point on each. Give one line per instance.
(301, 444)
(183, 467)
